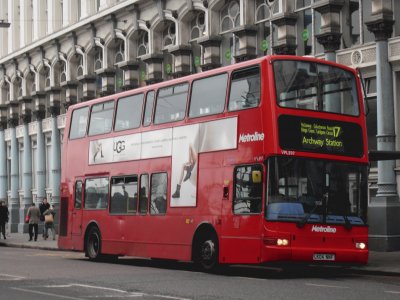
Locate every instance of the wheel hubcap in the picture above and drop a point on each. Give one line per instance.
(208, 250)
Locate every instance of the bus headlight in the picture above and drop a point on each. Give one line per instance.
(361, 245)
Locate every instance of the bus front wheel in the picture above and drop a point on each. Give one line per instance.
(207, 253)
(93, 244)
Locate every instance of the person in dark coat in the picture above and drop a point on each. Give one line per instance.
(3, 218)
(34, 216)
(43, 207)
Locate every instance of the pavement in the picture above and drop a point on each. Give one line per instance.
(387, 263)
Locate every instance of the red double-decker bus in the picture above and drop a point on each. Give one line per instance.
(264, 160)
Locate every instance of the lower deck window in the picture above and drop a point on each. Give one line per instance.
(124, 196)
(96, 193)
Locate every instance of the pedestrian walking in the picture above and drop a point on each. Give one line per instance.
(43, 206)
(49, 223)
(33, 217)
(4, 213)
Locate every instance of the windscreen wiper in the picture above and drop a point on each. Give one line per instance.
(347, 223)
(302, 222)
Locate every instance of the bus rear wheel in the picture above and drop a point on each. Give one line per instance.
(207, 253)
(93, 244)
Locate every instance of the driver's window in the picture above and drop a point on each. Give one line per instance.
(248, 189)
(245, 89)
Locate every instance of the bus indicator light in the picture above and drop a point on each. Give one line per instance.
(282, 242)
(276, 242)
(361, 246)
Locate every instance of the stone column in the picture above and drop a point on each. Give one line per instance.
(54, 109)
(330, 34)
(88, 87)
(3, 153)
(14, 205)
(384, 209)
(107, 81)
(247, 43)
(71, 92)
(154, 67)
(26, 167)
(39, 113)
(182, 63)
(286, 43)
(211, 52)
(131, 74)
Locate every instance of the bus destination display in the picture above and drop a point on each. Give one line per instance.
(321, 136)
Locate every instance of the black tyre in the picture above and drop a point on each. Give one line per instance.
(206, 253)
(93, 244)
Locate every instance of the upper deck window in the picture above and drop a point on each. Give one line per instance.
(79, 123)
(171, 103)
(245, 89)
(101, 118)
(129, 112)
(208, 95)
(313, 86)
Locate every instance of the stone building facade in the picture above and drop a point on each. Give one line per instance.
(59, 52)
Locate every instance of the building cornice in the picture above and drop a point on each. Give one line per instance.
(59, 34)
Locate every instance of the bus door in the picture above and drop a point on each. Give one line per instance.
(76, 222)
(242, 216)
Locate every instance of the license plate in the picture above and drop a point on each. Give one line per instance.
(324, 256)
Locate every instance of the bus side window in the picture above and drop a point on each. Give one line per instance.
(96, 193)
(248, 189)
(129, 112)
(78, 195)
(208, 96)
(123, 195)
(144, 194)
(171, 103)
(245, 89)
(101, 118)
(158, 196)
(79, 123)
(148, 108)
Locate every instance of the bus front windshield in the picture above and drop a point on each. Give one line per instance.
(315, 86)
(316, 191)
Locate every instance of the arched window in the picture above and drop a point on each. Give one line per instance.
(197, 25)
(262, 10)
(143, 43)
(46, 76)
(169, 35)
(98, 58)
(79, 69)
(119, 51)
(63, 71)
(230, 16)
